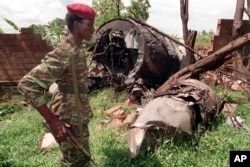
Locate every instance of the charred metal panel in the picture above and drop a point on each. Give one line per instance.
(128, 48)
(188, 106)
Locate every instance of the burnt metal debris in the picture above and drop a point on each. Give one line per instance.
(188, 106)
(132, 56)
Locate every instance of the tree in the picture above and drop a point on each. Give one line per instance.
(241, 63)
(56, 30)
(52, 32)
(139, 8)
(107, 10)
(39, 29)
(111, 9)
(189, 36)
(1, 31)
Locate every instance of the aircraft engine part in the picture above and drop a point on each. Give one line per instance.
(129, 49)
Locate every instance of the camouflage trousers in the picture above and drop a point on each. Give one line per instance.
(63, 105)
(71, 156)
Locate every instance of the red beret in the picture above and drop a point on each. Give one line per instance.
(81, 10)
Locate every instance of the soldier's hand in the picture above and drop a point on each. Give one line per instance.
(56, 126)
(58, 129)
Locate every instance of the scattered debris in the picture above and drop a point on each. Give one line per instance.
(226, 80)
(235, 121)
(24, 103)
(189, 106)
(229, 108)
(130, 119)
(116, 123)
(47, 141)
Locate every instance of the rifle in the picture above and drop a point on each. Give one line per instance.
(77, 145)
(70, 137)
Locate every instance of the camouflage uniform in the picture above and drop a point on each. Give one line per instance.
(57, 67)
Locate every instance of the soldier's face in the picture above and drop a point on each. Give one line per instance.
(86, 29)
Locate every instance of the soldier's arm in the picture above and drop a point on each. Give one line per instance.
(56, 126)
(35, 85)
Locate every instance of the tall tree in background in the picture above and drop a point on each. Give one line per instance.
(53, 32)
(39, 29)
(111, 9)
(139, 8)
(107, 10)
(56, 30)
(189, 36)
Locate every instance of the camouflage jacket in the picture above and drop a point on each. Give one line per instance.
(55, 67)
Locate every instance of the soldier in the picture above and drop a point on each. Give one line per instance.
(59, 66)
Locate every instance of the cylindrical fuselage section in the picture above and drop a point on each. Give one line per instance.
(148, 54)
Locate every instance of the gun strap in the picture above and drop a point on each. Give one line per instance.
(78, 104)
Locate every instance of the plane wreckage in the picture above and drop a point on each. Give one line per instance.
(126, 51)
(129, 55)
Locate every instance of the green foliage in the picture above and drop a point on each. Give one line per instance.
(53, 32)
(204, 38)
(1, 31)
(231, 96)
(12, 24)
(108, 10)
(39, 29)
(139, 8)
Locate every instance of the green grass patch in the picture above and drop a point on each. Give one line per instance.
(6, 110)
(20, 137)
(231, 96)
(22, 130)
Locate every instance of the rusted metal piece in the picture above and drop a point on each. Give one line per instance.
(128, 50)
(185, 106)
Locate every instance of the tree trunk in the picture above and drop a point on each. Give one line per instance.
(211, 62)
(118, 7)
(247, 11)
(191, 42)
(188, 35)
(240, 64)
(184, 18)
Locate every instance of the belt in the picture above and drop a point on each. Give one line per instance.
(70, 89)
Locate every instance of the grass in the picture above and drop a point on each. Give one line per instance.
(21, 131)
(20, 136)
